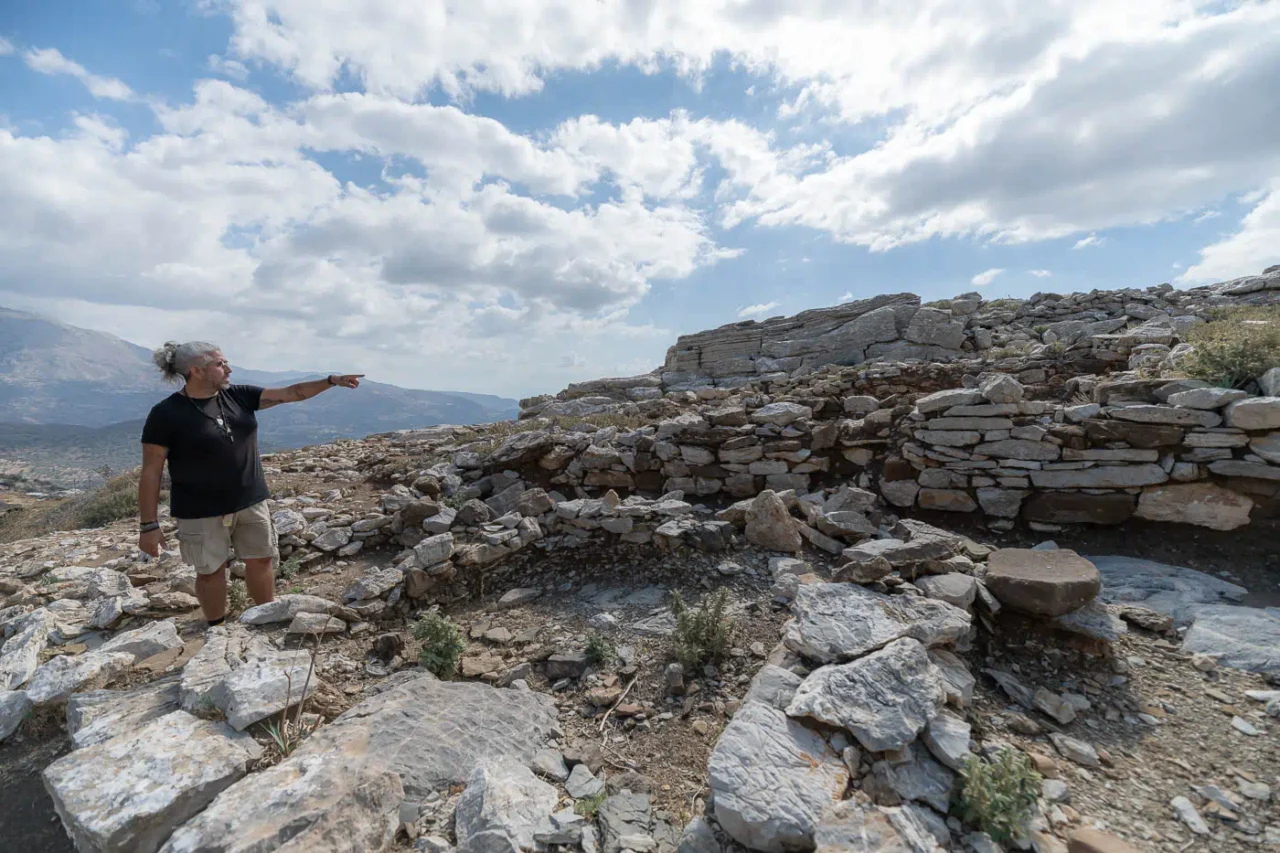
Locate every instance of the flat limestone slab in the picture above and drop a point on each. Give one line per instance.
(434, 732)
(332, 803)
(1172, 590)
(1042, 583)
(841, 621)
(99, 715)
(1245, 638)
(127, 795)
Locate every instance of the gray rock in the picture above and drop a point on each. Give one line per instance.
(159, 776)
(59, 677)
(1076, 750)
(774, 686)
(852, 827)
(20, 655)
(314, 803)
(935, 326)
(1187, 814)
(1172, 590)
(781, 414)
(1143, 414)
(1268, 447)
(661, 624)
(517, 597)
(1256, 413)
(550, 763)
(1001, 388)
(375, 583)
(14, 707)
(1002, 503)
(288, 522)
(772, 779)
(955, 588)
(332, 539)
(957, 681)
(941, 400)
(1269, 382)
(264, 686)
(433, 733)
(921, 779)
(626, 818)
(769, 525)
(698, 837)
(1243, 468)
(1244, 638)
(99, 715)
(1101, 477)
(144, 642)
(1019, 448)
(316, 623)
(434, 549)
(285, 607)
(838, 622)
(1041, 583)
(1095, 621)
(502, 797)
(582, 783)
(1206, 398)
(947, 737)
(883, 699)
(1204, 504)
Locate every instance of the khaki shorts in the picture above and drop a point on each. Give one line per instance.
(210, 543)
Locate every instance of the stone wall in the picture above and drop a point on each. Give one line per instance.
(1093, 452)
(1109, 328)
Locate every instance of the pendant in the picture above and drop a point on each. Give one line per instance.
(220, 422)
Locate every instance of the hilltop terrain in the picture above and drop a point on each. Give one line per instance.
(826, 583)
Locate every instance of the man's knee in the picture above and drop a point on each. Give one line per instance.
(215, 576)
(258, 564)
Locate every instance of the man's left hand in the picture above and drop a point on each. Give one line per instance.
(349, 381)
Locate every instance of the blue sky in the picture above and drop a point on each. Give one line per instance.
(509, 196)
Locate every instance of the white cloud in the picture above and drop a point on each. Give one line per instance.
(50, 61)
(6, 46)
(1040, 273)
(757, 310)
(847, 296)
(1091, 240)
(1249, 251)
(232, 68)
(982, 279)
(1207, 215)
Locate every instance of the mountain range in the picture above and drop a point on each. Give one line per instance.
(74, 399)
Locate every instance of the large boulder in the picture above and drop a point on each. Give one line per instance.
(1245, 638)
(772, 779)
(769, 525)
(1203, 504)
(1256, 413)
(1172, 590)
(314, 803)
(836, 622)
(1042, 583)
(129, 794)
(884, 699)
(265, 685)
(20, 654)
(99, 715)
(433, 732)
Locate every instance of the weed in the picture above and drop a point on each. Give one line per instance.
(454, 501)
(998, 796)
(1003, 305)
(1040, 329)
(289, 567)
(237, 597)
(294, 590)
(701, 636)
(1236, 346)
(284, 734)
(599, 650)
(588, 806)
(442, 644)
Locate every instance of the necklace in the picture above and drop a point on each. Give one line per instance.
(220, 420)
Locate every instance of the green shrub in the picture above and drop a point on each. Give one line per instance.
(1236, 346)
(442, 644)
(701, 636)
(599, 650)
(998, 796)
(113, 500)
(289, 567)
(588, 806)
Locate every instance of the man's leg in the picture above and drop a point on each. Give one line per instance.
(211, 591)
(260, 578)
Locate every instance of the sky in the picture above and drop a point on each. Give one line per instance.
(505, 196)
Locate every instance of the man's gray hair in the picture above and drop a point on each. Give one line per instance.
(175, 360)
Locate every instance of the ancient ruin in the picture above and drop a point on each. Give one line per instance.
(944, 534)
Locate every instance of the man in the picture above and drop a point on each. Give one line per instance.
(208, 433)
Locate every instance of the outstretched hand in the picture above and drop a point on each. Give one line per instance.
(349, 381)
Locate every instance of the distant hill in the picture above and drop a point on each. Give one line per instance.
(89, 391)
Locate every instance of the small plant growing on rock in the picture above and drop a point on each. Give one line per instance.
(442, 644)
(998, 796)
(289, 567)
(237, 597)
(599, 650)
(702, 635)
(1238, 345)
(588, 806)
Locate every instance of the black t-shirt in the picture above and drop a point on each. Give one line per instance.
(211, 474)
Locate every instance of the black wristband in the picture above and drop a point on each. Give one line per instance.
(330, 379)
(148, 526)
